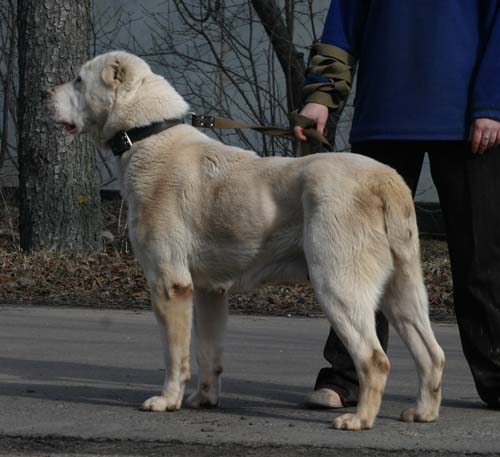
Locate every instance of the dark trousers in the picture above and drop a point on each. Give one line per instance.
(469, 191)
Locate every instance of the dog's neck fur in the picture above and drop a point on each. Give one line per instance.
(163, 103)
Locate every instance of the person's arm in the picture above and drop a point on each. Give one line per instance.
(329, 76)
(485, 99)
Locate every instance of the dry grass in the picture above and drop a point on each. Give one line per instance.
(113, 279)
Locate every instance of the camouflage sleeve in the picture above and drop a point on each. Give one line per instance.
(329, 76)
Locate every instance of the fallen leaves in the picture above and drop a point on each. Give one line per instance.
(113, 278)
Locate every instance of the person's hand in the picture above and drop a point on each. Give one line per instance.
(318, 113)
(484, 134)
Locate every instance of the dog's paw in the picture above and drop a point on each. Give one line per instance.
(200, 399)
(414, 415)
(162, 403)
(351, 422)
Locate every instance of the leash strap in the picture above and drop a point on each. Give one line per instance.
(307, 124)
(124, 140)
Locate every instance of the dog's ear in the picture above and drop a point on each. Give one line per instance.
(114, 73)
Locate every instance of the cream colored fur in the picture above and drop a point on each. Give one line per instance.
(206, 219)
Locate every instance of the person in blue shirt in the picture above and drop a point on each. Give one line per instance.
(428, 81)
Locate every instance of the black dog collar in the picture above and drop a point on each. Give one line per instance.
(124, 140)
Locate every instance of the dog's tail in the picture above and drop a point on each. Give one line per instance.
(402, 234)
(400, 218)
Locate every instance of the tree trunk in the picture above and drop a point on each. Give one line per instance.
(8, 80)
(291, 61)
(59, 195)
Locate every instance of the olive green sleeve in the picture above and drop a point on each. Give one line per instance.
(329, 76)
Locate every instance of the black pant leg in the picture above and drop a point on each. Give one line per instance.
(342, 376)
(469, 191)
(406, 158)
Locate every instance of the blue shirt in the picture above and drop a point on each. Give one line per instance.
(426, 68)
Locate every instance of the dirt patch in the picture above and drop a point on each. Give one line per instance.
(113, 278)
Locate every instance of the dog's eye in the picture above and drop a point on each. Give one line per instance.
(78, 80)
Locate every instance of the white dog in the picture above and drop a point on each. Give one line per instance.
(206, 218)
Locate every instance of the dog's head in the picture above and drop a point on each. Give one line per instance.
(114, 91)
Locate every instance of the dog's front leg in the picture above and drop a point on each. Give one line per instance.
(172, 304)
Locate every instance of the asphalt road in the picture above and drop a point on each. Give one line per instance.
(71, 381)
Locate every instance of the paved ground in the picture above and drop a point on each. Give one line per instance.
(71, 382)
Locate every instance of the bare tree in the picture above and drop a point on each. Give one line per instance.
(279, 26)
(8, 37)
(59, 206)
(105, 28)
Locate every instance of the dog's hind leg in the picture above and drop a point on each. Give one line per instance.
(405, 300)
(348, 275)
(352, 317)
(405, 305)
(172, 305)
(210, 324)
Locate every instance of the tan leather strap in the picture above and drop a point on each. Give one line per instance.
(307, 124)
(309, 128)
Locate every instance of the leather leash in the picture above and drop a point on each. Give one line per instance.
(296, 119)
(123, 140)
